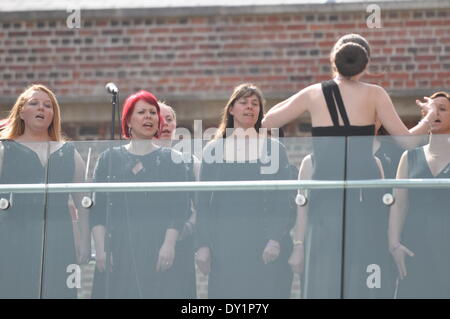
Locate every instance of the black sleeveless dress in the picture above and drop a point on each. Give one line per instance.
(426, 232)
(236, 226)
(36, 232)
(346, 228)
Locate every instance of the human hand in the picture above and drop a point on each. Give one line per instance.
(429, 108)
(166, 257)
(399, 252)
(297, 259)
(271, 252)
(203, 260)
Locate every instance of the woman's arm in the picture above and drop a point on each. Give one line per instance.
(287, 110)
(397, 216)
(277, 211)
(167, 251)
(399, 207)
(390, 119)
(296, 261)
(84, 246)
(380, 167)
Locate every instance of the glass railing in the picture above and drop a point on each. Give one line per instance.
(105, 219)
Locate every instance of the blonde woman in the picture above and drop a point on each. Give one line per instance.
(36, 231)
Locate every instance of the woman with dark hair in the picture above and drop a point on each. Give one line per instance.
(36, 236)
(344, 235)
(419, 220)
(349, 58)
(243, 235)
(141, 227)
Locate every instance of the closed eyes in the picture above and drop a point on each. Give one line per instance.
(36, 102)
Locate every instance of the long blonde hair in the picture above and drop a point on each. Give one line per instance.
(14, 126)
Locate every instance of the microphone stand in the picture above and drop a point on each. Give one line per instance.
(107, 240)
(114, 100)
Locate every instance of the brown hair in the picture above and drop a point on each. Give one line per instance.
(350, 55)
(241, 91)
(433, 96)
(440, 94)
(15, 126)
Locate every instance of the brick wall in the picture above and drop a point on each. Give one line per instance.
(193, 58)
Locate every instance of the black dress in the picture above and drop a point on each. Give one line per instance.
(426, 232)
(346, 228)
(137, 222)
(389, 154)
(184, 264)
(236, 226)
(36, 223)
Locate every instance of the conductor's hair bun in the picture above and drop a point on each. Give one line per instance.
(351, 59)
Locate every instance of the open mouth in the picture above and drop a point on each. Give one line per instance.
(40, 116)
(165, 132)
(148, 125)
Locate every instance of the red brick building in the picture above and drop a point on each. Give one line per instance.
(192, 56)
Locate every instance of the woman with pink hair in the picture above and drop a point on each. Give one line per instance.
(141, 227)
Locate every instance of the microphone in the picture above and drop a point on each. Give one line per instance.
(111, 88)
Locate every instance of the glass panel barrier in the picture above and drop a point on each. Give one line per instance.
(323, 233)
(135, 232)
(67, 245)
(246, 233)
(22, 218)
(264, 242)
(381, 222)
(419, 224)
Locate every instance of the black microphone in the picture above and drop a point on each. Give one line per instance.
(111, 88)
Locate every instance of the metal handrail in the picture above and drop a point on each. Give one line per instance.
(223, 185)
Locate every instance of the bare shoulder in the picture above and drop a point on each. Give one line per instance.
(313, 90)
(374, 89)
(310, 94)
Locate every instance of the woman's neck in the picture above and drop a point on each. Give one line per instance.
(163, 142)
(141, 147)
(354, 78)
(439, 145)
(244, 132)
(28, 136)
